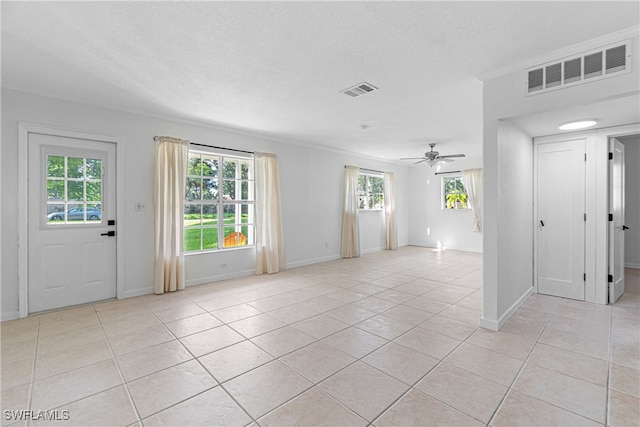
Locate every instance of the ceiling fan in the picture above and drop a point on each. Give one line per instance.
(433, 157)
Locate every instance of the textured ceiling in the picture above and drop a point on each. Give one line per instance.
(276, 68)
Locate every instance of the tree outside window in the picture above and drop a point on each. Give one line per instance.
(370, 192)
(454, 194)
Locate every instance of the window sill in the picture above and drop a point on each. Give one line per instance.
(217, 251)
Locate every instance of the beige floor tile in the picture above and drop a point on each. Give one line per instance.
(77, 313)
(265, 388)
(450, 327)
(394, 295)
(543, 303)
(408, 315)
(368, 288)
(283, 341)
(152, 359)
(16, 398)
(19, 330)
(401, 362)
(211, 340)
(449, 294)
(119, 312)
(428, 304)
(322, 303)
(56, 362)
(419, 410)
(463, 314)
(364, 390)
(428, 342)
(569, 363)
(19, 350)
(73, 385)
(517, 346)
(519, 409)
(470, 393)
(16, 373)
(57, 325)
(317, 361)
(130, 323)
(158, 391)
(211, 408)
(312, 408)
(179, 312)
(592, 328)
(320, 326)
(348, 295)
(576, 343)
(377, 305)
(72, 338)
(256, 325)
(583, 398)
(293, 313)
(625, 380)
(486, 363)
(219, 302)
(355, 342)
(350, 314)
(624, 410)
(139, 339)
(192, 325)
(628, 355)
(234, 360)
(237, 312)
(384, 327)
(527, 322)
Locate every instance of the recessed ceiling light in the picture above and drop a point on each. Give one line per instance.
(580, 124)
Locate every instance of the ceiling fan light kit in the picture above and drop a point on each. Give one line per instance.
(432, 158)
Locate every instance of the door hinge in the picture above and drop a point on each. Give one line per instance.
(585, 217)
(584, 277)
(585, 157)
(610, 156)
(610, 278)
(610, 217)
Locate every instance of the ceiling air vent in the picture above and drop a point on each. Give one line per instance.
(589, 66)
(359, 89)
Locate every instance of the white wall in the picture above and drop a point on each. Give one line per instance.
(632, 200)
(429, 223)
(311, 189)
(504, 98)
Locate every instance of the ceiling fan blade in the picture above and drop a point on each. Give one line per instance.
(446, 160)
(423, 160)
(411, 158)
(452, 155)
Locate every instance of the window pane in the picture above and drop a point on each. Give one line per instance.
(376, 200)
(232, 237)
(210, 165)
(75, 213)
(361, 183)
(55, 166)
(94, 213)
(246, 212)
(192, 215)
(209, 215)
(192, 239)
(75, 190)
(229, 190)
(455, 195)
(75, 167)
(94, 169)
(229, 168)
(376, 185)
(55, 190)
(94, 191)
(210, 238)
(193, 188)
(195, 167)
(244, 186)
(245, 169)
(55, 214)
(209, 189)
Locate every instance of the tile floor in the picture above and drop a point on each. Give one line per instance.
(391, 338)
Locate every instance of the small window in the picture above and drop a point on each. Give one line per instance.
(370, 192)
(218, 211)
(454, 194)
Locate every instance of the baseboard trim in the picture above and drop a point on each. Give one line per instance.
(9, 315)
(632, 265)
(312, 261)
(138, 292)
(494, 325)
(219, 277)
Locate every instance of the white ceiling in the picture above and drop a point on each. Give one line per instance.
(276, 68)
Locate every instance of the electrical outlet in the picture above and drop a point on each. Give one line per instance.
(140, 207)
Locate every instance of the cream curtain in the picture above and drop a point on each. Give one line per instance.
(168, 204)
(391, 230)
(472, 179)
(269, 238)
(350, 245)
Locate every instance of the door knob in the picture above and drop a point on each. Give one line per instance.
(109, 233)
(624, 227)
(542, 223)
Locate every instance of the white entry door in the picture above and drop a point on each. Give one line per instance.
(71, 221)
(560, 209)
(616, 220)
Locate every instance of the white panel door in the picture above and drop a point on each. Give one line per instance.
(616, 226)
(71, 198)
(560, 202)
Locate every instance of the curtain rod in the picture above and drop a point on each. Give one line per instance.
(442, 173)
(155, 138)
(368, 170)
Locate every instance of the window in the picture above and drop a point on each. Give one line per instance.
(218, 211)
(74, 190)
(370, 192)
(454, 193)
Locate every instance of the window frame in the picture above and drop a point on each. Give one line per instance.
(367, 194)
(443, 193)
(219, 202)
